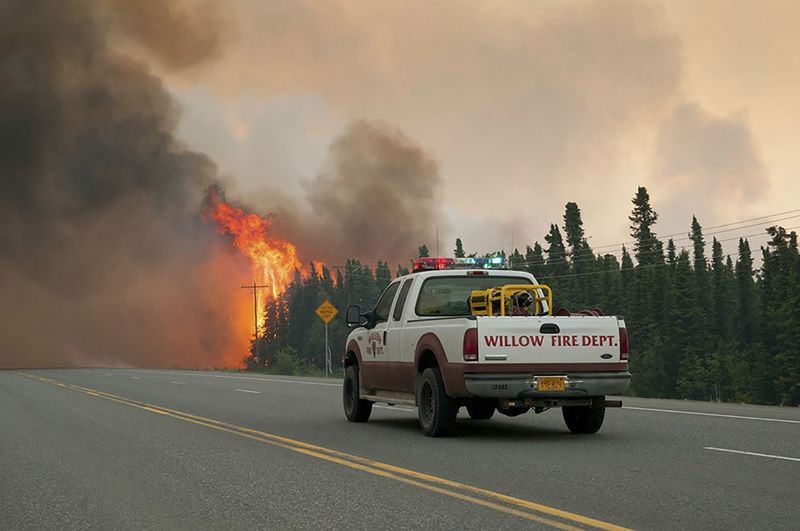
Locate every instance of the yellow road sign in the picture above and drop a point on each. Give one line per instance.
(326, 311)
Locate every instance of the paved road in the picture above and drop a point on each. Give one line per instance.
(124, 448)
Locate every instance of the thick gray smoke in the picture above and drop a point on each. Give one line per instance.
(377, 198)
(178, 33)
(103, 259)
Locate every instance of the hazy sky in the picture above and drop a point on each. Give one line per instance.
(524, 106)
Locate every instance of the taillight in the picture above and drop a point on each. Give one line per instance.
(471, 344)
(623, 343)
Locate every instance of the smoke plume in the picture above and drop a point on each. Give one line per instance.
(179, 34)
(104, 260)
(704, 161)
(377, 196)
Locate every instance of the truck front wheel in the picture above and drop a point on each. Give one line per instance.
(356, 409)
(437, 411)
(584, 419)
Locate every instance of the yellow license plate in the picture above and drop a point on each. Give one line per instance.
(551, 383)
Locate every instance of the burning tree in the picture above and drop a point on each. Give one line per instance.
(273, 261)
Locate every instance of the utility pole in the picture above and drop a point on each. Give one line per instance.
(511, 252)
(255, 287)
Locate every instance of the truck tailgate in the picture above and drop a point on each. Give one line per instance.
(569, 339)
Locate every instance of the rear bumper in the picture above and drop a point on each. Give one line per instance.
(578, 385)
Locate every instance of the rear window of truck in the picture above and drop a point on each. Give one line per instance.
(449, 296)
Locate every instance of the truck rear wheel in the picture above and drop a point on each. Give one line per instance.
(436, 410)
(481, 409)
(583, 419)
(356, 409)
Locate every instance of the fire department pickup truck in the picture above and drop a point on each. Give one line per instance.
(456, 333)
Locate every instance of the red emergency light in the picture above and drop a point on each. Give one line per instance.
(423, 264)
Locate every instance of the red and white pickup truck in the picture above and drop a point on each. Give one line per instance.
(423, 345)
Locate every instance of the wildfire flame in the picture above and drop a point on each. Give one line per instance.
(318, 267)
(273, 261)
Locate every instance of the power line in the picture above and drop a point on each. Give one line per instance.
(564, 260)
(647, 266)
(711, 227)
(754, 219)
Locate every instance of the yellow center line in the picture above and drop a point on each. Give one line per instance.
(403, 475)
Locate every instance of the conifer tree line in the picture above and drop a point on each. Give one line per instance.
(701, 326)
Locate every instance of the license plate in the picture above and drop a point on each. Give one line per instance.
(551, 383)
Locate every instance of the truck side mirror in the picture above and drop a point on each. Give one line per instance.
(354, 317)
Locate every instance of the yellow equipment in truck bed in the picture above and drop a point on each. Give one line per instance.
(500, 301)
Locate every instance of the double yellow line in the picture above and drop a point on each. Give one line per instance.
(525, 509)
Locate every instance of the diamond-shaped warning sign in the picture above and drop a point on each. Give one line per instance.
(326, 311)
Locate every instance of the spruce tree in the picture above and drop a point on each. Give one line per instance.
(534, 260)
(458, 252)
(516, 260)
(382, 276)
(702, 289)
(580, 287)
(626, 279)
(573, 229)
(556, 254)
(698, 247)
(719, 293)
(423, 251)
(642, 219)
(671, 254)
(746, 304)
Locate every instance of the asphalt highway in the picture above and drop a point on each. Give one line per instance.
(156, 449)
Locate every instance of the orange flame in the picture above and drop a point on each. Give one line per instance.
(318, 267)
(273, 261)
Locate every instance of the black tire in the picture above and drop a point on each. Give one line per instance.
(480, 409)
(584, 419)
(437, 411)
(356, 409)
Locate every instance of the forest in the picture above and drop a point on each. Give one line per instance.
(703, 326)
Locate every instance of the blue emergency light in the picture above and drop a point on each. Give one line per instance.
(428, 263)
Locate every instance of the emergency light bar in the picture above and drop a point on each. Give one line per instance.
(427, 263)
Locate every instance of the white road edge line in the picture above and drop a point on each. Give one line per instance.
(751, 453)
(326, 384)
(248, 391)
(179, 383)
(282, 380)
(136, 377)
(711, 414)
